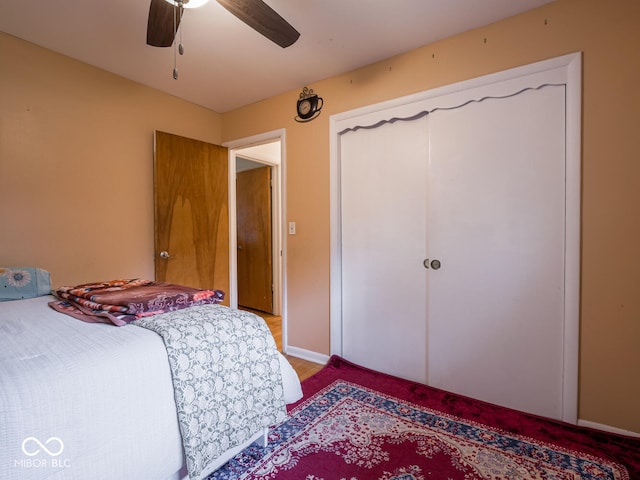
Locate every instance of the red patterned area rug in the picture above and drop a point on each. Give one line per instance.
(357, 424)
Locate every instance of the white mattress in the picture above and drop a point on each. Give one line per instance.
(84, 401)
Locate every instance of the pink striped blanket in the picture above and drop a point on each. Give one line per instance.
(122, 301)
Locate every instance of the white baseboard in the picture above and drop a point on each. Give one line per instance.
(607, 428)
(306, 355)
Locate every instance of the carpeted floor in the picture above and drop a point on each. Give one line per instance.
(356, 424)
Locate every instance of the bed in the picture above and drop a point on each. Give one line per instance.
(85, 400)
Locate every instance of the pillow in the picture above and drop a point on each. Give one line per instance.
(23, 282)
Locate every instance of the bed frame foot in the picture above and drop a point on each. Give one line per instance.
(264, 438)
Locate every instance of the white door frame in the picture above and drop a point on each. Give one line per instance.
(278, 214)
(572, 64)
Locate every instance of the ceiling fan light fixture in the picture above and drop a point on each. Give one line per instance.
(187, 3)
(163, 21)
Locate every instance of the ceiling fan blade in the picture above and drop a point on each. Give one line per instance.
(160, 27)
(263, 19)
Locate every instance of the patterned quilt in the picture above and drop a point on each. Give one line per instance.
(226, 378)
(122, 301)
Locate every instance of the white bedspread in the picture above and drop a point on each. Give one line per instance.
(86, 401)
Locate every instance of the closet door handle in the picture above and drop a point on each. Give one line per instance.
(434, 264)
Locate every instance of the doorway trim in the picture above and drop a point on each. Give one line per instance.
(278, 171)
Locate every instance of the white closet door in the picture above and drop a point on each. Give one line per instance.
(497, 188)
(383, 246)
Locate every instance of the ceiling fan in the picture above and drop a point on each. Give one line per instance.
(165, 16)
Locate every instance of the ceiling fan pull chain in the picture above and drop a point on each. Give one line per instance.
(180, 47)
(175, 60)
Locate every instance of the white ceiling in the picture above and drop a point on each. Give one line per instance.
(227, 64)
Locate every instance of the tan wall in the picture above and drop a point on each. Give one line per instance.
(63, 123)
(608, 34)
(76, 164)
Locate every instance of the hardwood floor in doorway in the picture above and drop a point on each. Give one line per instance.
(303, 368)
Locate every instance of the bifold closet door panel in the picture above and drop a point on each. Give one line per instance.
(497, 187)
(383, 223)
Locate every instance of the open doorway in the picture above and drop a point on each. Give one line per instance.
(254, 227)
(256, 251)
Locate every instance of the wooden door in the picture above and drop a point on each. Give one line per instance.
(255, 264)
(191, 212)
